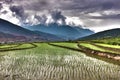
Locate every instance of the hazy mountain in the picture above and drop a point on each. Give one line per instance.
(104, 34)
(64, 31)
(49, 37)
(7, 27)
(10, 28)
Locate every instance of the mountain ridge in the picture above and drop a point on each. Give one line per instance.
(7, 27)
(64, 31)
(104, 34)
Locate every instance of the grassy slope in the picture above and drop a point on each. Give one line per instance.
(93, 47)
(7, 46)
(112, 41)
(88, 45)
(108, 45)
(24, 46)
(67, 44)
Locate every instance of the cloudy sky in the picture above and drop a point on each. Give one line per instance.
(97, 15)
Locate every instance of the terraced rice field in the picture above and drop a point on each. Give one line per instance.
(102, 47)
(46, 62)
(108, 45)
(7, 46)
(67, 44)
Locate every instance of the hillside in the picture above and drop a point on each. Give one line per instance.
(7, 27)
(10, 28)
(104, 34)
(4, 37)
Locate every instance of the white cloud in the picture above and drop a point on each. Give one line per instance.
(73, 9)
(9, 16)
(102, 28)
(74, 21)
(95, 14)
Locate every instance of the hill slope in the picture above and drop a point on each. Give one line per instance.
(4, 37)
(7, 27)
(64, 31)
(104, 34)
(10, 28)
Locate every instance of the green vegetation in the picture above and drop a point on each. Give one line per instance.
(67, 44)
(22, 46)
(46, 62)
(88, 45)
(13, 47)
(108, 45)
(112, 41)
(95, 47)
(7, 46)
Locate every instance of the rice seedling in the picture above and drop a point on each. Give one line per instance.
(47, 62)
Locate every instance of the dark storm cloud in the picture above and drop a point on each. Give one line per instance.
(80, 5)
(8, 1)
(41, 19)
(106, 17)
(74, 6)
(1, 6)
(71, 8)
(18, 10)
(57, 15)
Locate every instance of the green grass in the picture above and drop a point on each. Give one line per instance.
(93, 47)
(112, 41)
(42, 47)
(47, 62)
(108, 45)
(11, 47)
(90, 46)
(8, 46)
(27, 45)
(67, 44)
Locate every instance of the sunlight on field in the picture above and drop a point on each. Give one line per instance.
(108, 45)
(91, 46)
(46, 62)
(66, 44)
(7, 46)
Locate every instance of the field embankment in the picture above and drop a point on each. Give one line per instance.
(107, 52)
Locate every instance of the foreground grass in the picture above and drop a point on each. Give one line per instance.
(47, 62)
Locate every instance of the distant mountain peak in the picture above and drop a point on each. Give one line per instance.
(64, 31)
